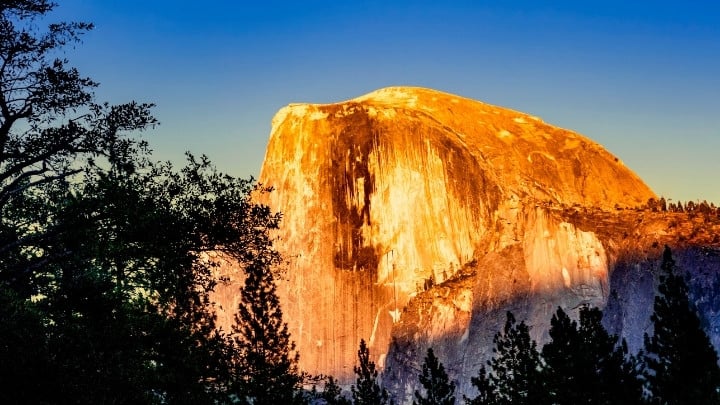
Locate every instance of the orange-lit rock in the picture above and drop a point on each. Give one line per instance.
(382, 193)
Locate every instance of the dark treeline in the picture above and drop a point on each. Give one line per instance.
(108, 259)
(583, 364)
(690, 207)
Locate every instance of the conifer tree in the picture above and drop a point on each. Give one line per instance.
(486, 394)
(564, 366)
(366, 390)
(104, 286)
(584, 364)
(439, 390)
(332, 394)
(515, 375)
(615, 378)
(681, 364)
(266, 369)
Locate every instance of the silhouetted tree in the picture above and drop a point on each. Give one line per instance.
(515, 371)
(652, 204)
(102, 252)
(585, 364)
(681, 364)
(486, 393)
(45, 142)
(366, 390)
(704, 207)
(616, 372)
(332, 394)
(127, 316)
(439, 390)
(24, 352)
(565, 364)
(266, 370)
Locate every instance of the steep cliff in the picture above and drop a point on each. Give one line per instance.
(459, 318)
(390, 193)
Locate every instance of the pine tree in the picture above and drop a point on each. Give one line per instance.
(101, 250)
(515, 375)
(628, 380)
(681, 364)
(615, 378)
(486, 393)
(438, 389)
(332, 394)
(584, 364)
(564, 366)
(366, 390)
(266, 371)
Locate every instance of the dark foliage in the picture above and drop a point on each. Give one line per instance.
(582, 364)
(104, 277)
(486, 395)
(24, 356)
(50, 132)
(587, 365)
(265, 371)
(332, 393)
(681, 363)
(439, 390)
(563, 358)
(515, 370)
(366, 390)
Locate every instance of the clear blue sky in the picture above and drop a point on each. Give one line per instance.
(641, 78)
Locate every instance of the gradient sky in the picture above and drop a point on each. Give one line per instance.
(640, 78)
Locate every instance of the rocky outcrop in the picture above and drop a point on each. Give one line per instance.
(414, 218)
(632, 242)
(388, 194)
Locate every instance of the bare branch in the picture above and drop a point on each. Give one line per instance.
(7, 192)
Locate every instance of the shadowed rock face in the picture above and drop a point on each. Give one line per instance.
(459, 318)
(392, 192)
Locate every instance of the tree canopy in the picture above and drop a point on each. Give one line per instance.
(585, 364)
(367, 390)
(265, 360)
(104, 267)
(514, 376)
(439, 390)
(681, 363)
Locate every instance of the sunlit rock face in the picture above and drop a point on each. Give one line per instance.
(387, 197)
